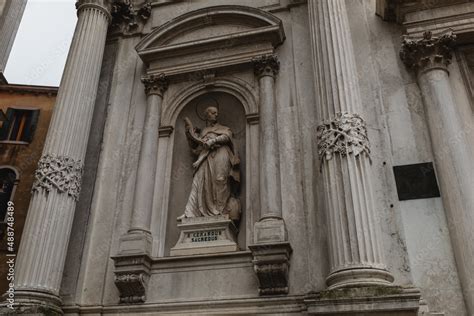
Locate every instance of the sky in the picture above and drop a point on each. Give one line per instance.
(42, 43)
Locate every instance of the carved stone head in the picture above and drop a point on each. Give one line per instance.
(211, 113)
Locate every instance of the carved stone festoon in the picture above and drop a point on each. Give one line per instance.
(345, 134)
(61, 173)
(132, 287)
(129, 19)
(428, 52)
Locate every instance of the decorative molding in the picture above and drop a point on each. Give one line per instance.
(132, 287)
(252, 118)
(345, 134)
(155, 84)
(266, 65)
(164, 48)
(271, 264)
(62, 173)
(428, 52)
(132, 273)
(165, 131)
(127, 18)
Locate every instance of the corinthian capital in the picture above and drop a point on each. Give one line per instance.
(428, 52)
(155, 84)
(129, 18)
(267, 65)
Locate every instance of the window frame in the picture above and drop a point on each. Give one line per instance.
(33, 123)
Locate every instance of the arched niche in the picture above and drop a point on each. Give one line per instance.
(231, 114)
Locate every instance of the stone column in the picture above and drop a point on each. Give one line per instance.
(139, 237)
(429, 57)
(271, 249)
(355, 251)
(9, 23)
(42, 252)
(266, 68)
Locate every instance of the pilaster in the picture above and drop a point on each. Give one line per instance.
(271, 249)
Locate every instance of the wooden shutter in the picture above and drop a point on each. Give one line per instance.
(6, 125)
(30, 126)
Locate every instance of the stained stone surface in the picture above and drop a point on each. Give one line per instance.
(214, 274)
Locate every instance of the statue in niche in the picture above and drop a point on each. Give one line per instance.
(216, 176)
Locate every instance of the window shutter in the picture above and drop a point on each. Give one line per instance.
(30, 127)
(6, 125)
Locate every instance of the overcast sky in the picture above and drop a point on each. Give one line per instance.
(42, 43)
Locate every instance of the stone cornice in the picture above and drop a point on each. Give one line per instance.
(128, 18)
(428, 52)
(155, 84)
(266, 65)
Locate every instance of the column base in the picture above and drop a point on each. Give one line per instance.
(270, 230)
(136, 242)
(33, 303)
(359, 277)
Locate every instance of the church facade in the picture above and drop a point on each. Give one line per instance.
(274, 157)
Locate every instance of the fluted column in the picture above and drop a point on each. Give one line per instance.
(55, 192)
(429, 57)
(9, 23)
(155, 86)
(355, 251)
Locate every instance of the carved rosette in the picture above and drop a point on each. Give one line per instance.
(428, 52)
(271, 263)
(61, 173)
(155, 84)
(132, 287)
(345, 134)
(129, 19)
(266, 65)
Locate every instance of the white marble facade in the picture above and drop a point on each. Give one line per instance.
(321, 220)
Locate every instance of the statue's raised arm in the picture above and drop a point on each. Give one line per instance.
(194, 140)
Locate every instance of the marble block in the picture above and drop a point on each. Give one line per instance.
(200, 235)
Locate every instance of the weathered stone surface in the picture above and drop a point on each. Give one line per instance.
(201, 235)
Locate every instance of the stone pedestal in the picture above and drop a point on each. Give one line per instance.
(200, 235)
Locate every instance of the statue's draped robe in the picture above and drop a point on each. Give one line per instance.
(211, 191)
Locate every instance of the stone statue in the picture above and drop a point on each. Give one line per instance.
(216, 176)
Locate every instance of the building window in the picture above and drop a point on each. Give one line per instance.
(8, 179)
(19, 126)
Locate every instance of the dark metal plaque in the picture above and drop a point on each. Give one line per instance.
(416, 181)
